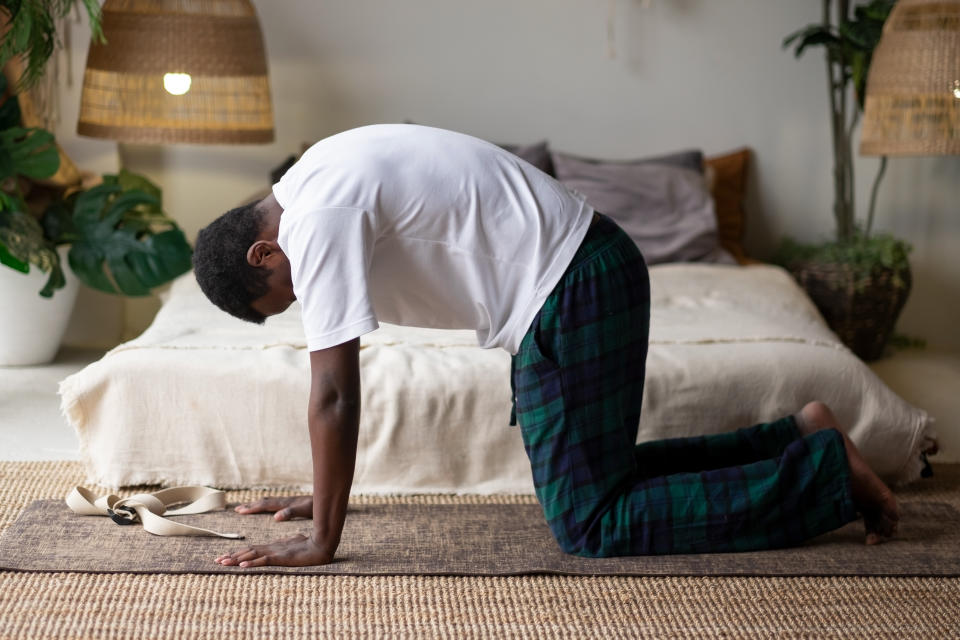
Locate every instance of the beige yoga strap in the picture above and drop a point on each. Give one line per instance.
(151, 509)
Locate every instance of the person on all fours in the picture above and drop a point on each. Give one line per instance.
(425, 227)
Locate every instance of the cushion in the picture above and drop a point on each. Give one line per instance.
(727, 177)
(662, 203)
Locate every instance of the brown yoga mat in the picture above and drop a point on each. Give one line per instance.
(458, 539)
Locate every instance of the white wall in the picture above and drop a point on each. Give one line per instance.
(688, 73)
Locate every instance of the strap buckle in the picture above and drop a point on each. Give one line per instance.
(130, 518)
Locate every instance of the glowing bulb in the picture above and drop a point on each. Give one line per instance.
(956, 89)
(176, 83)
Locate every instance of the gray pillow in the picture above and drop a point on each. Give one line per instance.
(689, 159)
(662, 203)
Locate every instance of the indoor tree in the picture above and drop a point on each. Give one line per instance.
(859, 280)
(849, 41)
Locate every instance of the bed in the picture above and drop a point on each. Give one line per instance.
(203, 398)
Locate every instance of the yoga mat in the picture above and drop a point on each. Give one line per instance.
(458, 540)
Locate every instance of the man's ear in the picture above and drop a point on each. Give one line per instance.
(260, 251)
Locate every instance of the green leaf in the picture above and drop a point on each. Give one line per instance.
(10, 109)
(22, 243)
(118, 248)
(169, 258)
(811, 35)
(8, 167)
(87, 264)
(23, 238)
(877, 11)
(12, 7)
(90, 204)
(54, 282)
(10, 202)
(127, 281)
(858, 71)
(856, 34)
(126, 201)
(134, 181)
(32, 33)
(57, 223)
(28, 152)
(12, 261)
(10, 112)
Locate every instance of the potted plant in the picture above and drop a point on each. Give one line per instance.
(859, 280)
(113, 235)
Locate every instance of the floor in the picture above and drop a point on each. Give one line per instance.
(32, 428)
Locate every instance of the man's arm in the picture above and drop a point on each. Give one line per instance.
(333, 416)
(334, 419)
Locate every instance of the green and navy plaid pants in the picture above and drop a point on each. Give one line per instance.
(578, 388)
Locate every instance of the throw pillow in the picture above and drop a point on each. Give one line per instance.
(662, 203)
(727, 177)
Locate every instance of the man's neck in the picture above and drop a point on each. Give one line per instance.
(272, 211)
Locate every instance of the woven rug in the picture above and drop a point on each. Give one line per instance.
(124, 605)
(456, 539)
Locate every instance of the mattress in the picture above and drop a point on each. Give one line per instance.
(203, 398)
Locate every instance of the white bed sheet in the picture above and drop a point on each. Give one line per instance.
(204, 398)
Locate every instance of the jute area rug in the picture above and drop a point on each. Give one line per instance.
(121, 605)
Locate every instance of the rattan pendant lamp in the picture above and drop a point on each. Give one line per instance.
(912, 104)
(174, 71)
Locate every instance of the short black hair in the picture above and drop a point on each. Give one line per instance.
(220, 262)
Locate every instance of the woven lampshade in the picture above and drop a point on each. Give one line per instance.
(178, 71)
(912, 105)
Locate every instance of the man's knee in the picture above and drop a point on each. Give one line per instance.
(584, 539)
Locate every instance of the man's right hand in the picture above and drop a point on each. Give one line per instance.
(285, 508)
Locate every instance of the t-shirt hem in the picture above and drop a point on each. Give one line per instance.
(551, 277)
(344, 334)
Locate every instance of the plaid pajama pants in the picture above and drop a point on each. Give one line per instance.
(578, 387)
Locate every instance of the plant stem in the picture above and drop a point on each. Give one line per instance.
(836, 130)
(851, 183)
(873, 193)
(847, 150)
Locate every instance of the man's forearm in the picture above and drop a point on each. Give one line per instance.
(333, 442)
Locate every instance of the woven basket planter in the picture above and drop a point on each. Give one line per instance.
(862, 311)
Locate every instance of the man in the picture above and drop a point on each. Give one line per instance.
(425, 227)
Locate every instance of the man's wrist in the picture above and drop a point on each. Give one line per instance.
(323, 544)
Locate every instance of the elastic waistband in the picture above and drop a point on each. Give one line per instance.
(603, 233)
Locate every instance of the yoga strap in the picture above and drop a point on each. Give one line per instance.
(151, 509)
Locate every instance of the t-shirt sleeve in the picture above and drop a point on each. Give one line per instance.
(329, 251)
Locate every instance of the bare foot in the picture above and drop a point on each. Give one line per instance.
(872, 497)
(285, 508)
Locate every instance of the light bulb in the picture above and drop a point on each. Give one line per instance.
(956, 89)
(176, 83)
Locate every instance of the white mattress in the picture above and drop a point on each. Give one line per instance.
(204, 398)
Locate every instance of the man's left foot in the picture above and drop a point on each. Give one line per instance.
(871, 496)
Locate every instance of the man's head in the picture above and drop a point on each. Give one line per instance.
(239, 265)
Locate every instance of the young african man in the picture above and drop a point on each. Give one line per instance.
(425, 227)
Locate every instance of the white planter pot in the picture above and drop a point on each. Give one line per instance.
(31, 327)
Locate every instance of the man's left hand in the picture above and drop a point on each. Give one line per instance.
(297, 551)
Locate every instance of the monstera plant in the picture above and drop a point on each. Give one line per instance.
(111, 232)
(120, 240)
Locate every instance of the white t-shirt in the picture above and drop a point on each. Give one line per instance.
(423, 227)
